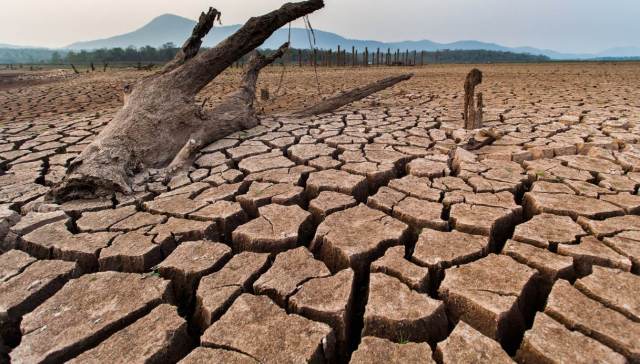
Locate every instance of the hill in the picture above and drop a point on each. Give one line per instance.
(175, 29)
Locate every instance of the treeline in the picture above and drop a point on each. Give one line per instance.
(25, 55)
(306, 56)
(146, 54)
(337, 57)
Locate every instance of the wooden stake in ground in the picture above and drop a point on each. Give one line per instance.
(479, 111)
(474, 78)
(160, 128)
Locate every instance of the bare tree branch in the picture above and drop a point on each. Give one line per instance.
(345, 98)
(192, 45)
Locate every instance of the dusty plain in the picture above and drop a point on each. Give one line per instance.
(363, 236)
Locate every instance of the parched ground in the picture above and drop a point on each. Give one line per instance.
(364, 236)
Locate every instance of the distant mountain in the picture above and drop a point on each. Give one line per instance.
(175, 29)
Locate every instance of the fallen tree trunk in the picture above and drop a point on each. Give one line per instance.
(345, 98)
(160, 114)
(234, 113)
(160, 128)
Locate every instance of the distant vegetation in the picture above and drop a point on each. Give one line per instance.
(145, 55)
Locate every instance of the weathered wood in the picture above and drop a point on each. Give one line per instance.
(192, 45)
(474, 78)
(235, 109)
(479, 112)
(345, 98)
(160, 114)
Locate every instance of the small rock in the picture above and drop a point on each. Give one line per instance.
(257, 326)
(355, 237)
(227, 216)
(103, 220)
(217, 291)
(337, 181)
(13, 263)
(394, 264)
(592, 251)
(261, 194)
(611, 226)
(278, 228)
(138, 221)
(373, 350)
(397, 313)
(328, 300)
(204, 355)
(613, 288)
(132, 252)
(175, 231)
(548, 231)
(85, 311)
(551, 266)
(494, 222)
(494, 295)
(161, 335)
(569, 205)
(329, 202)
(466, 345)
(36, 220)
(550, 342)
(189, 262)
(578, 312)
(289, 270)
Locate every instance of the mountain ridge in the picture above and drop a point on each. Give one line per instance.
(170, 28)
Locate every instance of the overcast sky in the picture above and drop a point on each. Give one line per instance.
(562, 25)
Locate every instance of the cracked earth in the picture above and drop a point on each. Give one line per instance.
(363, 236)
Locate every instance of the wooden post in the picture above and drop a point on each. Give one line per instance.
(388, 56)
(329, 57)
(406, 57)
(338, 54)
(353, 56)
(366, 57)
(415, 58)
(479, 111)
(474, 78)
(378, 57)
(422, 58)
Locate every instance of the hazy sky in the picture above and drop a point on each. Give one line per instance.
(563, 25)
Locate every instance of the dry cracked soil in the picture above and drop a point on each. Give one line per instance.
(364, 236)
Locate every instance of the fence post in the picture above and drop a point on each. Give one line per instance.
(422, 58)
(353, 56)
(366, 57)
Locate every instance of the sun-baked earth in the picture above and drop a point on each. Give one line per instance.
(363, 236)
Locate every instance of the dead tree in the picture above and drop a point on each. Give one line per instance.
(474, 78)
(479, 112)
(345, 98)
(74, 69)
(160, 127)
